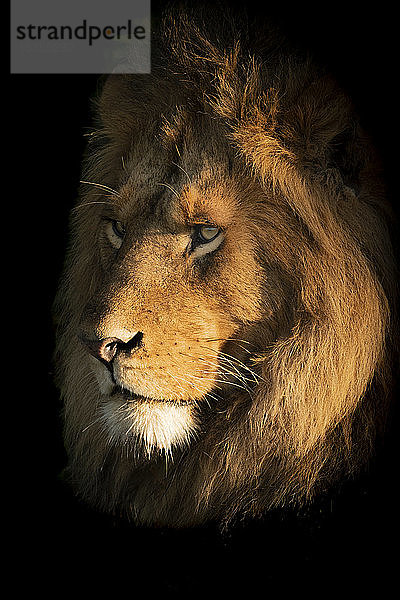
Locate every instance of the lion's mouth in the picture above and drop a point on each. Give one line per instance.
(131, 397)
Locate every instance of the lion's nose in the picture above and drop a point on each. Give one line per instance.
(103, 349)
(106, 349)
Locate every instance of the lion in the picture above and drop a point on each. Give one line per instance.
(225, 318)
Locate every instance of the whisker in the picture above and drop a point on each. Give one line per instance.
(229, 358)
(227, 382)
(227, 340)
(254, 376)
(224, 357)
(94, 422)
(221, 369)
(176, 378)
(183, 170)
(202, 391)
(102, 187)
(170, 188)
(88, 204)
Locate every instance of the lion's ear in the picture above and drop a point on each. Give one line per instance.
(116, 108)
(348, 155)
(322, 130)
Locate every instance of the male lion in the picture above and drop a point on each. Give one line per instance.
(225, 316)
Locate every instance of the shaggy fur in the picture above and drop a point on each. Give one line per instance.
(263, 372)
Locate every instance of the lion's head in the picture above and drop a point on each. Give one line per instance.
(224, 318)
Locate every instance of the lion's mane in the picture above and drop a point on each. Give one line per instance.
(325, 371)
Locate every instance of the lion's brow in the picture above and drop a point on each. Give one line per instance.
(207, 205)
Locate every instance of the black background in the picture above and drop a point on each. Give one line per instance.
(345, 541)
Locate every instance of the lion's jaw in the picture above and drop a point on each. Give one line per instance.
(132, 418)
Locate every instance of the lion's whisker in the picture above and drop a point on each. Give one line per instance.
(103, 187)
(183, 170)
(230, 358)
(170, 188)
(80, 206)
(222, 370)
(237, 373)
(226, 340)
(94, 422)
(227, 382)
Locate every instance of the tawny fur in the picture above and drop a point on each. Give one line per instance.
(273, 351)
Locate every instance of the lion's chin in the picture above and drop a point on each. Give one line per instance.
(148, 423)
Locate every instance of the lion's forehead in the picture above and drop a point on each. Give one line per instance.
(198, 180)
(176, 202)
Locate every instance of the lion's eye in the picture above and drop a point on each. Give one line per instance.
(115, 232)
(207, 234)
(118, 228)
(206, 239)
